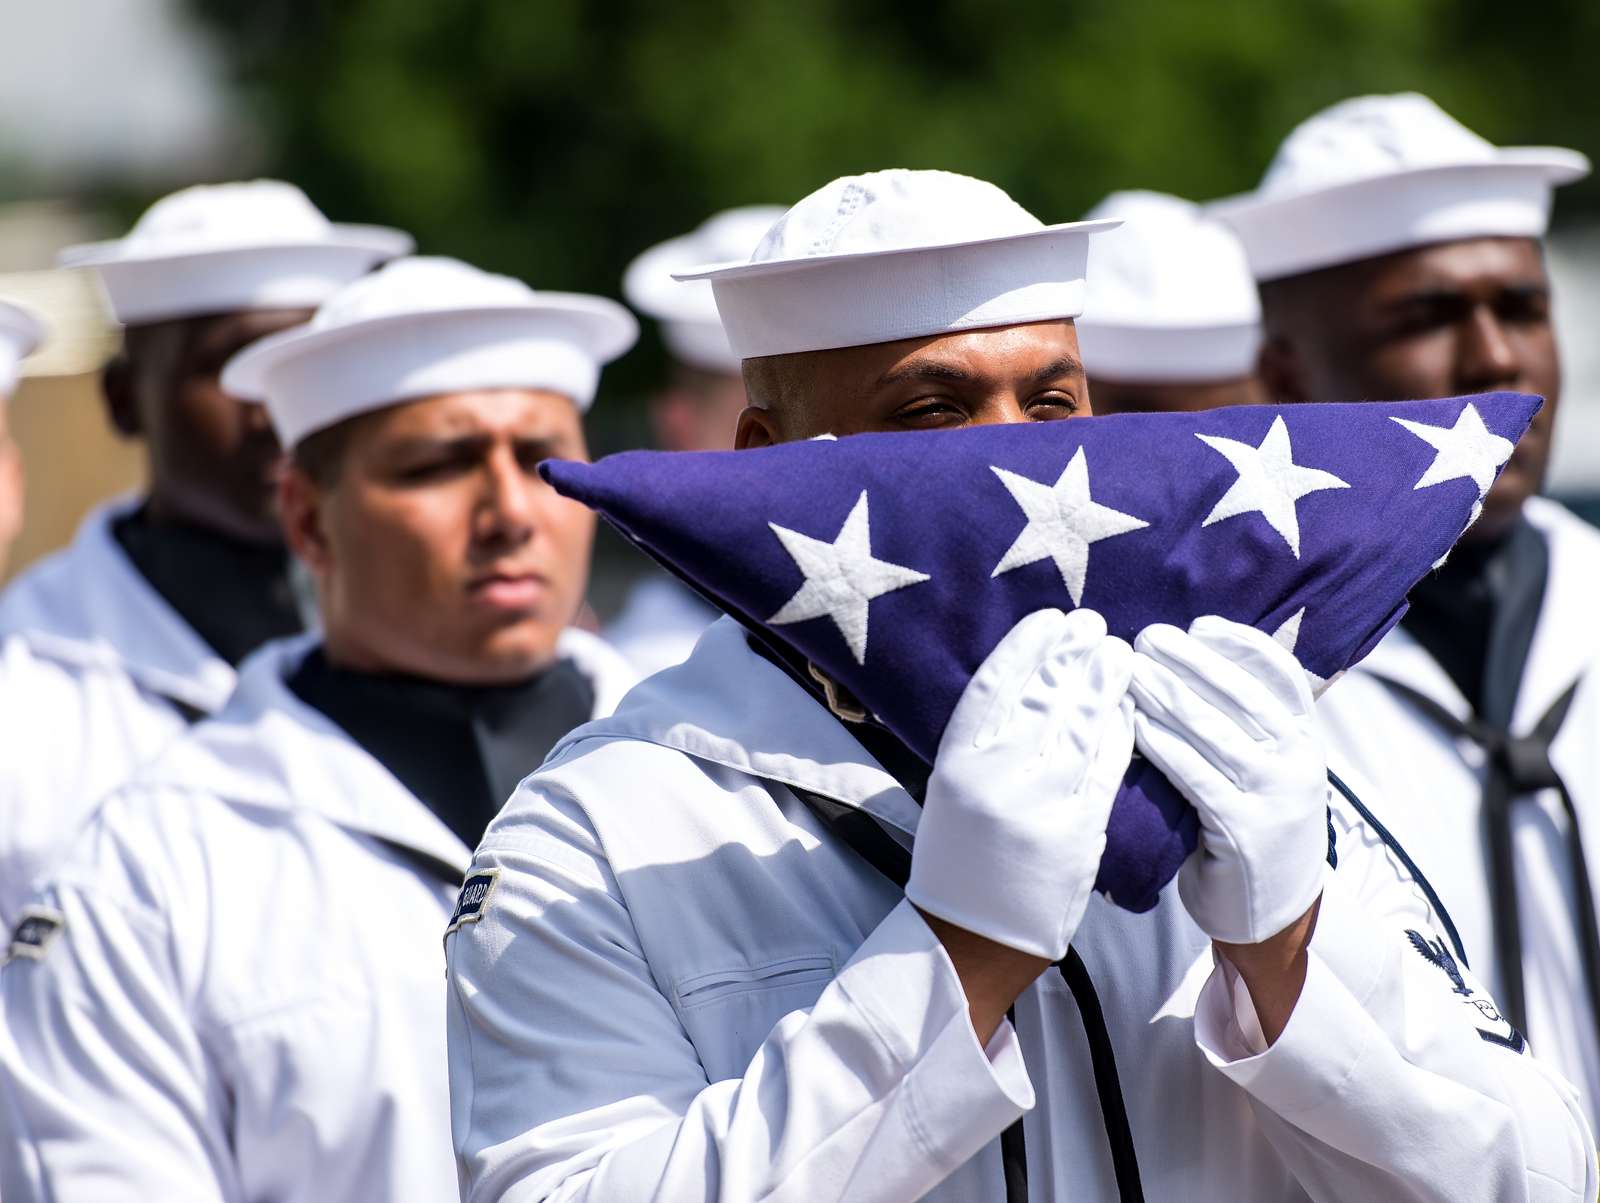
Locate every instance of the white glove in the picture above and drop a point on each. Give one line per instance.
(1015, 818)
(1225, 712)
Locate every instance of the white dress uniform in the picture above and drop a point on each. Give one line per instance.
(100, 673)
(670, 981)
(1376, 175)
(253, 924)
(1434, 784)
(87, 614)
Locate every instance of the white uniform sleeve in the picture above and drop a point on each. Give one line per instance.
(1396, 1078)
(571, 1077)
(107, 1095)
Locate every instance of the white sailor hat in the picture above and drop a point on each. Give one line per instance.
(685, 308)
(20, 335)
(898, 254)
(423, 326)
(1379, 174)
(218, 248)
(1170, 295)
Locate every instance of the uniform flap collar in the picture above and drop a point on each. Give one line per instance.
(267, 748)
(89, 607)
(1400, 658)
(731, 707)
(1566, 643)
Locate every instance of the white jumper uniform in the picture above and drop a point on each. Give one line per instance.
(97, 675)
(233, 988)
(1432, 784)
(670, 981)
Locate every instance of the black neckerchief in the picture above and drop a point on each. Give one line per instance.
(235, 595)
(1509, 585)
(1476, 617)
(461, 749)
(887, 748)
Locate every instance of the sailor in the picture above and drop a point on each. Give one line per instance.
(669, 978)
(1171, 320)
(1400, 255)
(231, 988)
(20, 335)
(697, 410)
(133, 631)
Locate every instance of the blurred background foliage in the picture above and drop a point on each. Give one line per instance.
(554, 139)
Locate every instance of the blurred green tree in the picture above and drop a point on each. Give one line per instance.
(554, 139)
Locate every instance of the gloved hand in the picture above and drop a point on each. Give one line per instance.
(1015, 817)
(1225, 712)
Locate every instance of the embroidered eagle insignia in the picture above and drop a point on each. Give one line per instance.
(1436, 954)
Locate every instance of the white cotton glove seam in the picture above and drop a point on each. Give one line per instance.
(1225, 770)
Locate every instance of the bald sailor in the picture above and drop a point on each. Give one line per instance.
(20, 335)
(232, 989)
(700, 991)
(1400, 255)
(1171, 321)
(133, 631)
(697, 409)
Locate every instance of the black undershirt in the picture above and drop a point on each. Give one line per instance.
(1476, 616)
(235, 595)
(461, 749)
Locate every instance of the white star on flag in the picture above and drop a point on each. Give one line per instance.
(1288, 634)
(842, 578)
(1270, 482)
(1288, 637)
(1063, 520)
(1467, 449)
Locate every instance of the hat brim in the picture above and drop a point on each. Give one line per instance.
(382, 242)
(651, 284)
(743, 270)
(1555, 164)
(602, 327)
(23, 329)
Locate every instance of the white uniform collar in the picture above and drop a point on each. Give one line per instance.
(1399, 657)
(88, 606)
(729, 706)
(267, 748)
(1566, 641)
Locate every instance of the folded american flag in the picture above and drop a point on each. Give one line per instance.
(895, 562)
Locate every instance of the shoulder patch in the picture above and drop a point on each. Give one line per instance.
(473, 900)
(1501, 1031)
(33, 933)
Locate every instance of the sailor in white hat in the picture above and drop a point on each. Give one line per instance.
(231, 988)
(1401, 256)
(670, 978)
(20, 335)
(697, 410)
(159, 596)
(1171, 321)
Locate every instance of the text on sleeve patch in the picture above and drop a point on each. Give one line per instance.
(473, 900)
(34, 931)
